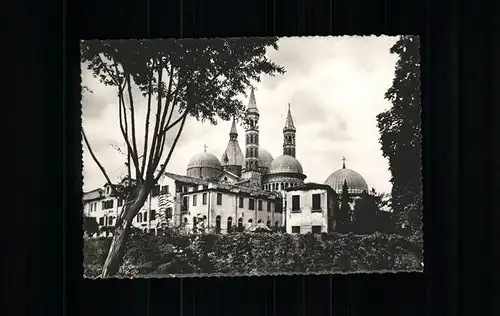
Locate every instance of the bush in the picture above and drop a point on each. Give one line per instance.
(256, 253)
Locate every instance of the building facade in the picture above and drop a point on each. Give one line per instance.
(105, 208)
(310, 208)
(223, 206)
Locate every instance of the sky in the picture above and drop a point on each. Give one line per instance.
(335, 87)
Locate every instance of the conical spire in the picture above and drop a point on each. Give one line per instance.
(289, 120)
(233, 130)
(252, 104)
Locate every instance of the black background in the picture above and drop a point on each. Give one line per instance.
(42, 262)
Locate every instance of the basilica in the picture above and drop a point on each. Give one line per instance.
(243, 181)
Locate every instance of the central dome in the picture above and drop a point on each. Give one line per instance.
(355, 181)
(204, 165)
(285, 164)
(265, 158)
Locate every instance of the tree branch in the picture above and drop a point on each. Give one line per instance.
(146, 133)
(150, 171)
(131, 154)
(164, 165)
(107, 70)
(132, 123)
(96, 160)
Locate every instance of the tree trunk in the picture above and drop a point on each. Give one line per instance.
(117, 248)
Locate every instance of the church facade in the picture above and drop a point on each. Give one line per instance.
(243, 189)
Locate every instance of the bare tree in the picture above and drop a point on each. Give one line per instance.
(179, 78)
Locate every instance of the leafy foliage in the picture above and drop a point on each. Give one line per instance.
(370, 217)
(257, 253)
(90, 225)
(344, 216)
(400, 135)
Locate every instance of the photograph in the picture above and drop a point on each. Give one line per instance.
(251, 156)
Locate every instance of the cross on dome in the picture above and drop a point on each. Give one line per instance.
(205, 147)
(343, 162)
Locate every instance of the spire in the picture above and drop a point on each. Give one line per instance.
(343, 162)
(233, 130)
(205, 148)
(289, 120)
(252, 104)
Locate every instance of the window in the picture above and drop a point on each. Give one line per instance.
(259, 205)
(276, 224)
(153, 215)
(251, 204)
(185, 204)
(145, 217)
(219, 198)
(155, 191)
(268, 223)
(268, 206)
(295, 229)
(316, 202)
(120, 202)
(282, 186)
(168, 213)
(139, 217)
(241, 202)
(217, 224)
(259, 221)
(250, 221)
(240, 223)
(316, 229)
(164, 189)
(296, 203)
(107, 204)
(195, 221)
(110, 221)
(204, 199)
(194, 200)
(101, 221)
(229, 224)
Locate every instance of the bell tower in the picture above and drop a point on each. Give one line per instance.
(251, 162)
(289, 135)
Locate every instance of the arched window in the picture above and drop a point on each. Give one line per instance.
(269, 224)
(217, 224)
(229, 224)
(282, 186)
(240, 223)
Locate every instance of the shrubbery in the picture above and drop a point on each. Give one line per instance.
(255, 253)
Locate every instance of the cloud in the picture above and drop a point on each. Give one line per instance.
(335, 87)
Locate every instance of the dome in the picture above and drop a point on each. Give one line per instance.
(204, 165)
(204, 159)
(355, 181)
(265, 158)
(285, 164)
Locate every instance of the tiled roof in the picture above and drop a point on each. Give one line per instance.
(185, 179)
